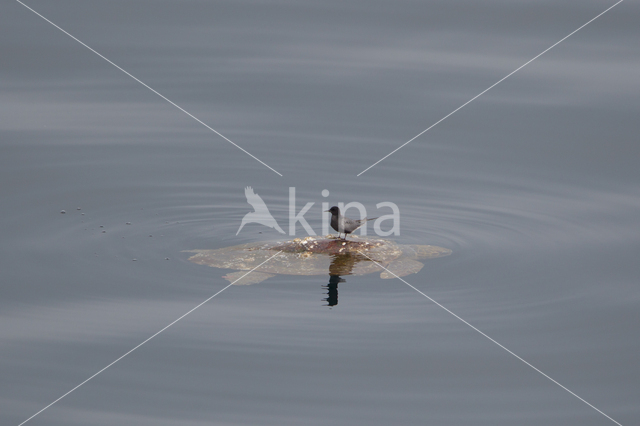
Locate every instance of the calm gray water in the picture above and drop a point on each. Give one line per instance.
(534, 186)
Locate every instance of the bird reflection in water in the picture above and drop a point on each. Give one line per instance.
(332, 290)
(341, 264)
(256, 262)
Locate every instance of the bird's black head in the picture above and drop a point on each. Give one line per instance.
(334, 210)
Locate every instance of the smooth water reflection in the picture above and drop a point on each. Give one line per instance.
(534, 187)
(340, 265)
(332, 289)
(337, 257)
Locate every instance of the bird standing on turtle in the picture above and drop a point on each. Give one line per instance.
(343, 224)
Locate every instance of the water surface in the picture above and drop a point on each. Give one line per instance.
(534, 186)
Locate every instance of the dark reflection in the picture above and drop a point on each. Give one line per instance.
(332, 290)
(340, 265)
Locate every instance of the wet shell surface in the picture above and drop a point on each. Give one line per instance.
(317, 256)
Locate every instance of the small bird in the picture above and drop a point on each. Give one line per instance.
(343, 224)
(260, 215)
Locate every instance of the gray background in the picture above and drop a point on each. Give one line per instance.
(534, 186)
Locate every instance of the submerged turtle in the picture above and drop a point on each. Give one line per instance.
(318, 256)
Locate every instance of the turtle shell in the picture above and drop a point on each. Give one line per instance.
(317, 256)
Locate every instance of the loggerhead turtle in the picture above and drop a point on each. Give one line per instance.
(317, 256)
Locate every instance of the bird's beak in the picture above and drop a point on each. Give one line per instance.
(327, 211)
